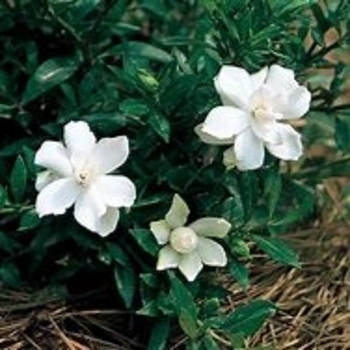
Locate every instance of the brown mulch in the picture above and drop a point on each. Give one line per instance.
(314, 301)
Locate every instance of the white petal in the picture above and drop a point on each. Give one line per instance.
(161, 231)
(108, 222)
(295, 104)
(110, 153)
(234, 86)
(258, 79)
(209, 139)
(44, 178)
(229, 159)
(167, 258)
(79, 140)
(89, 208)
(178, 213)
(249, 151)
(280, 79)
(190, 265)
(211, 227)
(266, 129)
(53, 156)
(211, 253)
(223, 122)
(290, 148)
(57, 197)
(116, 190)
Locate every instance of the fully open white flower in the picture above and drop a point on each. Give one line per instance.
(78, 173)
(253, 113)
(188, 247)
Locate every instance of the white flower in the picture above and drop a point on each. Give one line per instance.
(254, 109)
(187, 247)
(77, 174)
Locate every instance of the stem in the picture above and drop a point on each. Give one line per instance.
(316, 170)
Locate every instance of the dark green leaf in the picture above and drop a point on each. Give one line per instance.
(125, 279)
(342, 132)
(9, 275)
(159, 334)
(240, 272)
(49, 74)
(248, 319)
(277, 250)
(29, 220)
(18, 179)
(160, 125)
(146, 240)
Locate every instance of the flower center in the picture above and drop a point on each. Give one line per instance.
(184, 240)
(85, 176)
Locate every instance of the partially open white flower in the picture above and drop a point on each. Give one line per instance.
(253, 113)
(188, 247)
(77, 174)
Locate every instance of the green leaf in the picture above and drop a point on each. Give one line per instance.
(184, 306)
(160, 125)
(3, 196)
(49, 74)
(240, 272)
(125, 279)
(135, 49)
(8, 243)
(248, 319)
(272, 189)
(18, 179)
(248, 187)
(281, 7)
(146, 240)
(29, 220)
(277, 250)
(159, 334)
(342, 132)
(9, 275)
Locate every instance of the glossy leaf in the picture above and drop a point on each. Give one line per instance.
(48, 75)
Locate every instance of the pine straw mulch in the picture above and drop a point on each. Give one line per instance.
(314, 301)
(314, 305)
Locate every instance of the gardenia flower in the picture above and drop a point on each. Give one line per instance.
(253, 113)
(78, 173)
(187, 247)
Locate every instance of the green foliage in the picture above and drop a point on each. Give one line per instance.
(145, 69)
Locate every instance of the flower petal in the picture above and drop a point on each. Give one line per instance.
(178, 213)
(280, 79)
(295, 104)
(290, 148)
(108, 222)
(116, 190)
(53, 156)
(44, 178)
(211, 253)
(89, 209)
(57, 197)
(265, 127)
(249, 151)
(258, 79)
(167, 258)
(110, 153)
(229, 159)
(161, 231)
(211, 227)
(223, 122)
(234, 86)
(79, 141)
(209, 139)
(190, 265)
